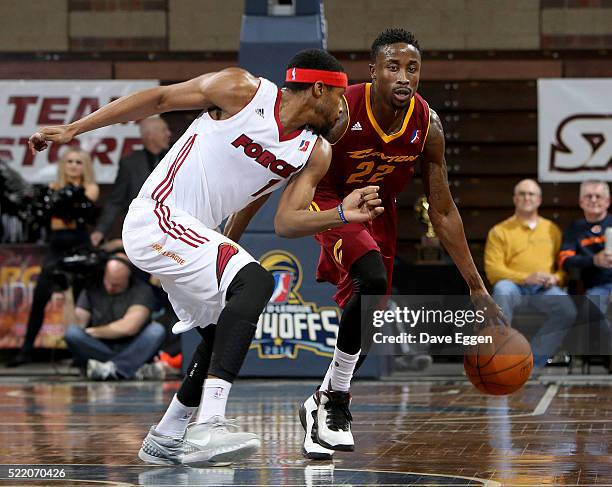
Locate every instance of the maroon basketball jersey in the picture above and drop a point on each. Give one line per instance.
(366, 156)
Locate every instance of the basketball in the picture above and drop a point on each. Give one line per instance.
(500, 367)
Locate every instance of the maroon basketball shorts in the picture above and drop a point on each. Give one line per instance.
(342, 246)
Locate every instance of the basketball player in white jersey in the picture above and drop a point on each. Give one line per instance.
(250, 139)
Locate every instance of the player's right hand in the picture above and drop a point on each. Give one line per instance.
(60, 134)
(362, 205)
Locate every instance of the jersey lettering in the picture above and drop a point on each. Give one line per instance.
(264, 156)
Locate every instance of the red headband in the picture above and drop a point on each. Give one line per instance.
(331, 78)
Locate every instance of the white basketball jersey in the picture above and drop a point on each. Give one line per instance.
(218, 167)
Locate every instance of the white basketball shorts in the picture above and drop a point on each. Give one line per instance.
(194, 263)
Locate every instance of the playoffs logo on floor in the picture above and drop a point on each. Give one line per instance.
(290, 323)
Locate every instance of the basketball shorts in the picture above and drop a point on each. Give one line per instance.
(194, 263)
(342, 246)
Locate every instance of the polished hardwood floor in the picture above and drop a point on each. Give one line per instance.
(413, 432)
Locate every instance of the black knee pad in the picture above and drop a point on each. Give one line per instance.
(369, 275)
(246, 298)
(249, 292)
(375, 285)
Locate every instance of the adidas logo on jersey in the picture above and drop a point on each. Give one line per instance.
(357, 126)
(260, 112)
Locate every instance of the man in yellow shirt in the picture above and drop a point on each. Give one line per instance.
(520, 262)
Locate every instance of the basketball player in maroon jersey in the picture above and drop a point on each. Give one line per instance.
(385, 129)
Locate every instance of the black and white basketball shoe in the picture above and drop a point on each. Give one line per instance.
(308, 417)
(334, 420)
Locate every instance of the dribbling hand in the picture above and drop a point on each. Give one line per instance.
(493, 314)
(362, 205)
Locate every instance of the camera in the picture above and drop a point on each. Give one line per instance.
(15, 192)
(84, 264)
(16, 198)
(33, 205)
(68, 203)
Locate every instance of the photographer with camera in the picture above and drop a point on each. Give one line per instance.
(114, 337)
(70, 202)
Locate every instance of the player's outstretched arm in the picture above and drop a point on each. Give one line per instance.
(237, 222)
(230, 90)
(293, 219)
(446, 220)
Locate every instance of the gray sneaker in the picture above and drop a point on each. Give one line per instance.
(204, 445)
(218, 445)
(101, 370)
(160, 449)
(153, 371)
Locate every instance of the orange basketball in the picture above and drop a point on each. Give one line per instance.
(500, 367)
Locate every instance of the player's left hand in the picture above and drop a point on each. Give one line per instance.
(492, 312)
(362, 205)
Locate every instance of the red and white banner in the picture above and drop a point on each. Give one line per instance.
(574, 129)
(28, 105)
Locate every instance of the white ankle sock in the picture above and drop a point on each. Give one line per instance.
(340, 371)
(174, 423)
(214, 399)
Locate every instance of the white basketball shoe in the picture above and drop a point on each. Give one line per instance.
(203, 445)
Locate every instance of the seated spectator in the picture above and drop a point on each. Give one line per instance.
(118, 337)
(584, 242)
(520, 258)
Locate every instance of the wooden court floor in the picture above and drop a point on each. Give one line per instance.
(425, 433)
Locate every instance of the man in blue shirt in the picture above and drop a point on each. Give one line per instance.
(584, 249)
(584, 242)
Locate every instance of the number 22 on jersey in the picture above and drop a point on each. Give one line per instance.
(365, 169)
